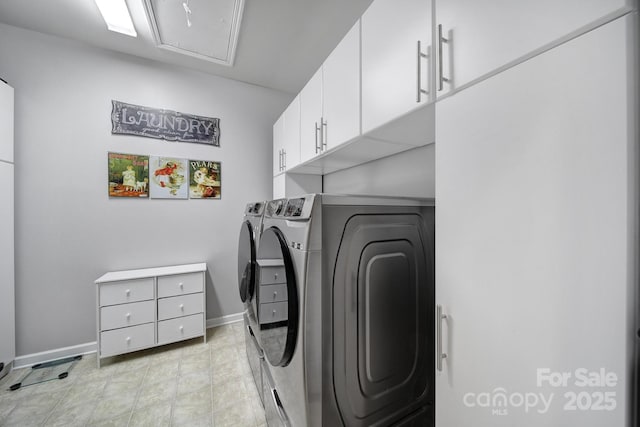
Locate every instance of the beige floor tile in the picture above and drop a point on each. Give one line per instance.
(124, 383)
(113, 407)
(162, 371)
(157, 393)
(158, 415)
(237, 414)
(183, 384)
(221, 341)
(119, 421)
(196, 404)
(224, 355)
(192, 364)
(75, 416)
(180, 420)
(228, 393)
(84, 392)
(227, 372)
(194, 381)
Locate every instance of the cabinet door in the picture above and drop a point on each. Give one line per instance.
(6, 122)
(391, 30)
(485, 35)
(341, 90)
(535, 193)
(292, 134)
(278, 144)
(7, 301)
(311, 117)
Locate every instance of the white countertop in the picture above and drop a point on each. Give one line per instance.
(142, 273)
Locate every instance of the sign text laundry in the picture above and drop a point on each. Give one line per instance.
(163, 124)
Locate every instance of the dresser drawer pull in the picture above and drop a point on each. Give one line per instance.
(181, 328)
(182, 307)
(128, 340)
(181, 285)
(128, 292)
(128, 315)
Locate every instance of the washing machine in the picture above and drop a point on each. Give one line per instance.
(346, 311)
(248, 242)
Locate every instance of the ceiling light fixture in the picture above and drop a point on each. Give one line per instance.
(116, 15)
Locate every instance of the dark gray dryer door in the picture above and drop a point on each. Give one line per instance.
(382, 320)
(278, 320)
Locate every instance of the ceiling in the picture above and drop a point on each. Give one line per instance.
(281, 42)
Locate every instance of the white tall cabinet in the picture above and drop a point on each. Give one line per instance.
(536, 191)
(479, 37)
(7, 292)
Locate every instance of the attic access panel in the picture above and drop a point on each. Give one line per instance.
(205, 29)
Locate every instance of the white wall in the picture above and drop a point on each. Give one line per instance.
(410, 173)
(68, 231)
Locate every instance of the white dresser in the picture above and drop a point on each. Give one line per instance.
(138, 309)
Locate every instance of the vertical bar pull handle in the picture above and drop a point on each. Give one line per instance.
(441, 40)
(419, 56)
(317, 131)
(323, 134)
(284, 159)
(440, 355)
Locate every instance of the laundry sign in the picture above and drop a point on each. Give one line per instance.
(169, 125)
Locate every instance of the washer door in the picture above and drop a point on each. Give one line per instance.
(277, 298)
(246, 261)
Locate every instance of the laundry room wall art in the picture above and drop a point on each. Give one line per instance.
(169, 178)
(128, 175)
(169, 125)
(204, 179)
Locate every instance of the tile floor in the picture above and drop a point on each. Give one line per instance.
(183, 384)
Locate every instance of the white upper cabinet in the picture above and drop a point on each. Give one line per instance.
(286, 138)
(341, 91)
(6, 130)
(292, 134)
(278, 144)
(482, 36)
(395, 73)
(311, 117)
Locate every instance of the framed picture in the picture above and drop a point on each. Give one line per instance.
(204, 181)
(128, 175)
(168, 178)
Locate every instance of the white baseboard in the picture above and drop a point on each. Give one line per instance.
(224, 320)
(58, 353)
(90, 347)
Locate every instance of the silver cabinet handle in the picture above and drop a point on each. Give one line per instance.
(323, 134)
(317, 131)
(284, 159)
(441, 40)
(280, 160)
(419, 56)
(439, 353)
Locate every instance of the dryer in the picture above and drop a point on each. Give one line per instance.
(248, 242)
(346, 311)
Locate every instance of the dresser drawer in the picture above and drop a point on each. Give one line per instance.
(182, 305)
(126, 339)
(273, 293)
(122, 315)
(180, 328)
(126, 291)
(270, 272)
(273, 312)
(180, 284)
